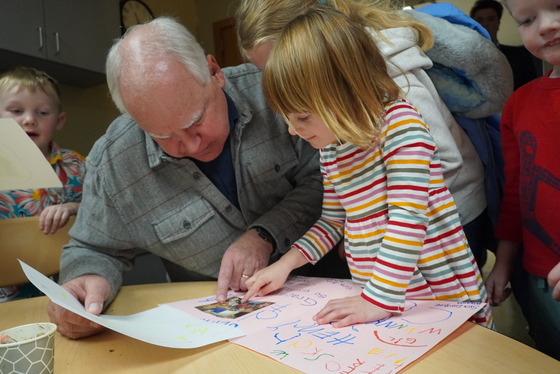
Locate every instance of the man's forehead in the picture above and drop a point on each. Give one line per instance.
(168, 100)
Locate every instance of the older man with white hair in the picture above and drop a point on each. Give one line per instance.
(198, 170)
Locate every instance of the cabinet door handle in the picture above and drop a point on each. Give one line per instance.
(57, 42)
(40, 30)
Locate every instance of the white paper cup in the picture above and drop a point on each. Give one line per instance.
(31, 353)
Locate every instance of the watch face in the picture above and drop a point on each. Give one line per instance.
(134, 12)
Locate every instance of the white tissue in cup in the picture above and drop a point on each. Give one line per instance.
(31, 353)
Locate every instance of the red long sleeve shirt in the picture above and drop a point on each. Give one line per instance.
(530, 211)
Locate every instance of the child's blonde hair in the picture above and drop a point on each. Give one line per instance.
(33, 80)
(258, 21)
(325, 62)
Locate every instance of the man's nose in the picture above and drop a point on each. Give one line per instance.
(189, 143)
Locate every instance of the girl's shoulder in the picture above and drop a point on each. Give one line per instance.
(401, 115)
(401, 107)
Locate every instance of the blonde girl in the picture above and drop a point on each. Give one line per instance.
(402, 41)
(383, 186)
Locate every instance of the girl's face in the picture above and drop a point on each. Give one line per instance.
(539, 26)
(311, 128)
(36, 112)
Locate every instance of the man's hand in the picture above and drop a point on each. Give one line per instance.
(241, 260)
(91, 291)
(55, 216)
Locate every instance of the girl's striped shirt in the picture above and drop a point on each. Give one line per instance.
(402, 234)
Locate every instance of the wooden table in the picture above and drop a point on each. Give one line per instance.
(470, 349)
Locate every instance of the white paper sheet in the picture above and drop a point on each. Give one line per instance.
(164, 326)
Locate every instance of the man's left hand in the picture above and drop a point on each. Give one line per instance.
(241, 260)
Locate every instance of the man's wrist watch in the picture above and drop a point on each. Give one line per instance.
(264, 234)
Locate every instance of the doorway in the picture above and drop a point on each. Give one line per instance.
(225, 43)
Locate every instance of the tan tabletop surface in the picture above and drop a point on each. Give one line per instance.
(470, 349)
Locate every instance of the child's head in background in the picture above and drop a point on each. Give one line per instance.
(32, 98)
(260, 22)
(539, 27)
(326, 68)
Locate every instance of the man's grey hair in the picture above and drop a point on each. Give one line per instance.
(166, 38)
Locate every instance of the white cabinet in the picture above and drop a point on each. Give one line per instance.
(70, 37)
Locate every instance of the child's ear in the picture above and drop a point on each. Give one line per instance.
(61, 121)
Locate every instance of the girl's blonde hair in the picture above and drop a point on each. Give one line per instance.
(33, 80)
(325, 62)
(258, 21)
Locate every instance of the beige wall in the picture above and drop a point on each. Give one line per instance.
(90, 110)
(507, 34)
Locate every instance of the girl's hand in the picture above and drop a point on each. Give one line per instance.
(349, 311)
(55, 216)
(266, 280)
(274, 276)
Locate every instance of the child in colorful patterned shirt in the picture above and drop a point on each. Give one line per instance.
(32, 98)
(383, 186)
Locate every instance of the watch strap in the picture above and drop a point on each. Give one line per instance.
(264, 234)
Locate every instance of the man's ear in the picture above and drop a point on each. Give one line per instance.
(61, 121)
(215, 71)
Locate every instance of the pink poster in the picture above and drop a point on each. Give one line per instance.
(299, 296)
(280, 326)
